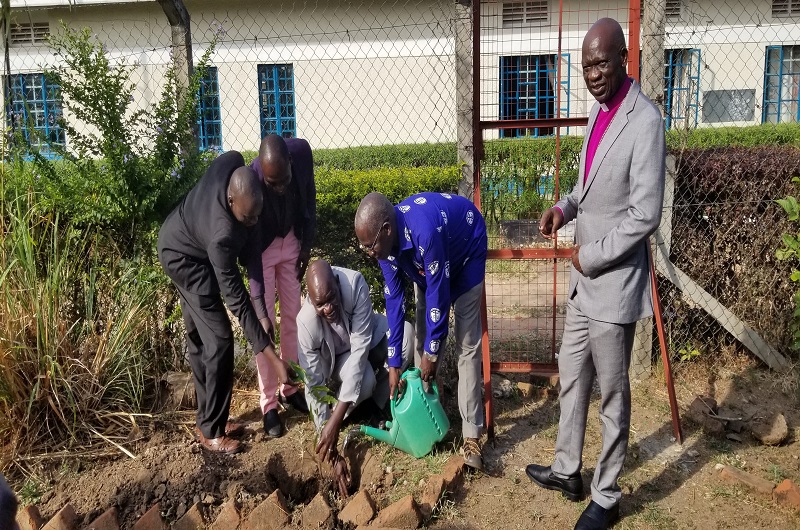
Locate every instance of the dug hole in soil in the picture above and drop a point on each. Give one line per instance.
(171, 468)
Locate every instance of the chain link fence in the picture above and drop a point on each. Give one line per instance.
(360, 73)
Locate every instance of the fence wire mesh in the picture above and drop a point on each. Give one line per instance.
(354, 73)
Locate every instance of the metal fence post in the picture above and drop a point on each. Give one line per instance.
(462, 30)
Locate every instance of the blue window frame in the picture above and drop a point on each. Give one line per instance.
(209, 120)
(781, 85)
(681, 88)
(528, 86)
(276, 99)
(34, 109)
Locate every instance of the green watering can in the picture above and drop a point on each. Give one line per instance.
(418, 419)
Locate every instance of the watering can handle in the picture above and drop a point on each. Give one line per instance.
(394, 399)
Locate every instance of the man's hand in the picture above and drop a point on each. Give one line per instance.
(341, 476)
(551, 221)
(575, 261)
(283, 372)
(328, 438)
(428, 369)
(302, 264)
(395, 383)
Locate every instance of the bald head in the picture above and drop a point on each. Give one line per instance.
(275, 162)
(323, 290)
(375, 225)
(245, 196)
(604, 59)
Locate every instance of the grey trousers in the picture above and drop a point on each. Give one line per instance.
(467, 316)
(590, 348)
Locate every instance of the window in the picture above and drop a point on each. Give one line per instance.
(781, 85)
(672, 10)
(209, 122)
(785, 8)
(681, 88)
(34, 109)
(29, 33)
(276, 99)
(519, 14)
(528, 90)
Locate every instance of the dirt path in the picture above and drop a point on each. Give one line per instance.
(665, 485)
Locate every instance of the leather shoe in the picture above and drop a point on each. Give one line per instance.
(272, 424)
(298, 402)
(595, 517)
(221, 444)
(232, 428)
(571, 487)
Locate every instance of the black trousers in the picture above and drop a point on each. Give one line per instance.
(210, 351)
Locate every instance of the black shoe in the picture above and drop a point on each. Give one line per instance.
(595, 517)
(571, 488)
(298, 402)
(272, 424)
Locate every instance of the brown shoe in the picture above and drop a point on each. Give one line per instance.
(222, 444)
(232, 429)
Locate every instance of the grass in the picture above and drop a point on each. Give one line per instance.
(75, 336)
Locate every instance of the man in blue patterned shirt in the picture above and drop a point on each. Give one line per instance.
(438, 241)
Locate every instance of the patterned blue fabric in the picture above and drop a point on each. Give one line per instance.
(442, 247)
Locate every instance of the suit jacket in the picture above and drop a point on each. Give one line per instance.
(315, 336)
(617, 209)
(200, 241)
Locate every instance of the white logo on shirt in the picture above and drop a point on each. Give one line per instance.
(394, 267)
(421, 251)
(392, 351)
(470, 217)
(420, 200)
(386, 289)
(447, 196)
(434, 346)
(444, 216)
(435, 315)
(404, 208)
(438, 228)
(408, 234)
(388, 333)
(446, 269)
(433, 268)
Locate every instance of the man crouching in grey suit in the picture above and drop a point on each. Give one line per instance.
(342, 342)
(617, 203)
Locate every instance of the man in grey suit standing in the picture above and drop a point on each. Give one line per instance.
(617, 203)
(343, 342)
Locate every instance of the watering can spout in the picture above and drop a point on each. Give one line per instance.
(378, 434)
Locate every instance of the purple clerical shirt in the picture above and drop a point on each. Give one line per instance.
(604, 117)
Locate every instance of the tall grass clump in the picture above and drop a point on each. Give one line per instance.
(76, 334)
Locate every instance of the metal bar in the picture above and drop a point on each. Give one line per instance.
(529, 253)
(556, 180)
(634, 38)
(525, 368)
(662, 342)
(487, 372)
(531, 123)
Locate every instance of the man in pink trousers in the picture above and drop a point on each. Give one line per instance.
(287, 227)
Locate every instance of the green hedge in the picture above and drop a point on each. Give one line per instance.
(756, 135)
(338, 195)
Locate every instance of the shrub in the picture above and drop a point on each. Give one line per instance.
(726, 227)
(756, 135)
(338, 195)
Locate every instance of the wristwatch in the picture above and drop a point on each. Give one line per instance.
(430, 357)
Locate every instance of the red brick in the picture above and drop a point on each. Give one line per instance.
(737, 476)
(317, 514)
(65, 519)
(453, 472)
(360, 510)
(151, 520)
(787, 494)
(109, 520)
(228, 518)
(434, 488)
(191, 520)
(29, 518)
(403, 514)
(272, 514)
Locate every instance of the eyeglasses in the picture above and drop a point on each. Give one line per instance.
(375, 242)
